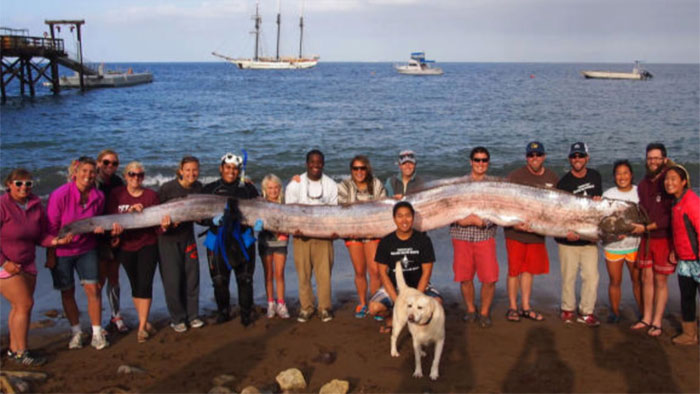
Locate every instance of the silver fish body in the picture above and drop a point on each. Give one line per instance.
(547, 211)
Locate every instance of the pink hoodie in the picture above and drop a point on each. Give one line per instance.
(21, 230)
(64, 208)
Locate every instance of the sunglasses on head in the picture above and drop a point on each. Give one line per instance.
(359, 168)
(535, 154)
(139, 175)
(108, 163)
(20, 183)
(480, 160)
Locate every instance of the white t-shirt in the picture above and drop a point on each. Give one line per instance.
(308, 192)
(631, 242)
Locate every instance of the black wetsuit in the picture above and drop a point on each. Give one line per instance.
(244, 268)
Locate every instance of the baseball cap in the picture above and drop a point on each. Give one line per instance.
(579, 148)
(407, 156)
(534, 147)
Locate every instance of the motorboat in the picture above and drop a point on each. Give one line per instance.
(638, 73)
(418, 65)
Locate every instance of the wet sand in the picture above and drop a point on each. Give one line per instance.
(528, 356)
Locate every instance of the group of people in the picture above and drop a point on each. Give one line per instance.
(667, 244)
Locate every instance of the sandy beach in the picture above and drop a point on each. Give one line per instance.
(528, 356)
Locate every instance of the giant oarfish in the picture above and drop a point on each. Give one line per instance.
(547, 211)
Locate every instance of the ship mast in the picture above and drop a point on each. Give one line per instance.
(258, 20)
(278, 28)
(301, 28)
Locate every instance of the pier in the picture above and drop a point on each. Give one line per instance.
(29, 59)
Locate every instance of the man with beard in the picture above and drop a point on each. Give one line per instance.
(527, 254)
(654, 251)
(240, 258)
(574, 253)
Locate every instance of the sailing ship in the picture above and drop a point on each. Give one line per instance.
(259, 62)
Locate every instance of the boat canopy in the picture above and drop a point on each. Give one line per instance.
(420, 57)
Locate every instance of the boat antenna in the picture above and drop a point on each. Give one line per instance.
(279, 18)
(258, 20)
(301, 28)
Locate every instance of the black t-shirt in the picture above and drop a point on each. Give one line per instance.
(588, 186)
(417, 250)
(169, 191)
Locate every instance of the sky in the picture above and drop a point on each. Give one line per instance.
(577, 31)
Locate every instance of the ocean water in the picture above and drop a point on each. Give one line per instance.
(344, 109)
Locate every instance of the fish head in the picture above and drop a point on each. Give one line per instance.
(621, 221)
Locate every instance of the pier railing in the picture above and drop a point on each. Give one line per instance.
(14, 45)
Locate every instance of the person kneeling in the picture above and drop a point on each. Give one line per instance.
(415, 251)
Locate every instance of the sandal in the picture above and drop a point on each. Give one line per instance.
(142, 336)
(655, 331)
(513, 315)
(640, 324)
(379, 318)
(385, 329)
(531, 314)
(361, 311)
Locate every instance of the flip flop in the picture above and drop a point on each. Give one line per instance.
(655, 331)
(385, 329)
(513, 315)
(637, 326)
(531, 314)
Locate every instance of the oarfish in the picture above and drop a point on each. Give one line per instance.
(547, 211)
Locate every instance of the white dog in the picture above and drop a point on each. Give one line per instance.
(426, 323)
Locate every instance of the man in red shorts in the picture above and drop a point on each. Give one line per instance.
(654, 251)
(473, 240)
(527, 254)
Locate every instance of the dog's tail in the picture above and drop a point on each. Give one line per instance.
(400, 281)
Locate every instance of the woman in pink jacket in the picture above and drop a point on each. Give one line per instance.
(685, 224)
(78, 199)
(23, 225)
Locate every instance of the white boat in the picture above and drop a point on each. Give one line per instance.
(109, 79)
(258, 62)
(417, 65)
(638, 73)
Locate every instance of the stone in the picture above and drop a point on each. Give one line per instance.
(250, 390)
(220, 390)
(223, 380)
(291, 380)
(128, 369)
(335, 386)
(327, 358)
(114, 390)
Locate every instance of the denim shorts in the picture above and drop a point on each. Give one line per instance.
(85, 264)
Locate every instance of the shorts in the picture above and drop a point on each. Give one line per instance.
(85, 264)
(352, 241)
(615, 256)
(383, 297)
(656, 256)
(29, 268)
(475, 257)
(530, 258)
(270, 250)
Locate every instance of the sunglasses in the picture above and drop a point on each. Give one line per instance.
(359, 168)
(113, 163)
(535, 154)
(578, 156)
(25, 183)
(139, 175)
(480, 160)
